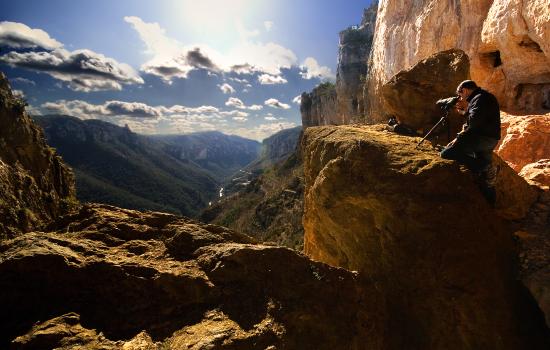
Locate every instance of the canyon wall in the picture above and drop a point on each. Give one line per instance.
(343, 103)
(353, 53)
(508, 42)
(35, 185)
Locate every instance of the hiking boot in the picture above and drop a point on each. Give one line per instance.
(490, 175)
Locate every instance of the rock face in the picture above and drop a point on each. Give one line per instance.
(508, 43)
(418, 226)
(116, 278)
(35, 186)
(411, 94)
(353, 54)
(319, 107)
(525, 145)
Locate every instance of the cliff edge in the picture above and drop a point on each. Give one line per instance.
(35, 185)
(418, 226)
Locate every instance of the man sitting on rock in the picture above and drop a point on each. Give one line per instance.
(474, 145)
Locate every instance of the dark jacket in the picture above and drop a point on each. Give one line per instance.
(483, 115)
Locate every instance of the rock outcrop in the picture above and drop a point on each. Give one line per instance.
(117, 278)
(319, 107)
(353, 54)
(411, 94)
(35, 186)
(525, 144)
(418, 226)
(508, 43)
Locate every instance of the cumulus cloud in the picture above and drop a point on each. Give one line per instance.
(272, 102)
(266, 79)
(18, 93)
(240, 119)
(270, 118)
(297, 99)
(171, 59)
(18, 36)
(86, 110)
(262, 131)
(227, 89)
(83, 70)
(237, 103)
(311, 69)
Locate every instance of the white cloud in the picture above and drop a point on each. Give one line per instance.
(297, 99)
(18, 93)
(270, 118)
(21, 80)
(227, 89)
(240, 119)
(266, 79)
(237, 103)
(311, 69)
(272, 102)
(83, 70)
(268, 25)
(171, 58)
(86, 110)
(18, 35)
(242, 81)
(262, 131)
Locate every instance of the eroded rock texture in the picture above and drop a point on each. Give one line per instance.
(35, 186)
(525, 145)
(418, 226)
(111, 278)
(508, 42)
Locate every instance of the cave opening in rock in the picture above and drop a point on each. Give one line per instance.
(492, 59)
(528, 43)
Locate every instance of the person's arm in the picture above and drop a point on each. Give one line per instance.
(477, 113)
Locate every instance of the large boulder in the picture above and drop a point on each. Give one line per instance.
(411, 94)
(418, 226)
(111, 277)
(35, 185)
(525, 141)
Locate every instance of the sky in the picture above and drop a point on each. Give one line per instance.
(173, 66)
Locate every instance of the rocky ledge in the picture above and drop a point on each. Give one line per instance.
(418, 227)
(111, 278)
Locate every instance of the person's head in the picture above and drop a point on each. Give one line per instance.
(465, 89)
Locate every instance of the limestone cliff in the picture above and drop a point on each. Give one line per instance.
(35, 186)
(418, 226)
(318, 107)
(353, 54)
(508, 42)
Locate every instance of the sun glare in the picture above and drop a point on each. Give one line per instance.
(213, 16)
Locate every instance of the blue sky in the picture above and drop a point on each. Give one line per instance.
(173, 66)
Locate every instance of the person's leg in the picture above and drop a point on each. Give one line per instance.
(460, 150)
(487, 171)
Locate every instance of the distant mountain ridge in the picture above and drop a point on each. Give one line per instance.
(116, 166)
(221, 154)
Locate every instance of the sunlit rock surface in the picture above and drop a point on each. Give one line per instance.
(508, 43)
(133, 277)
(419, 227)
(35, 185)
